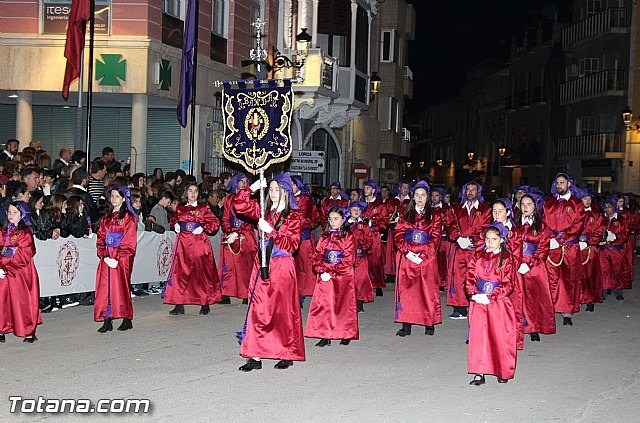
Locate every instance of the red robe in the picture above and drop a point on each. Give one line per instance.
(303, 257)
(461, 223)
(537, 305)
(377, 216)
(329, 202)
(112, 285)
(492, 327)
(194, 275)
(274, 322)
(235, 267)
(394, 206)
(363, 240)
(565, 218)
(632, 218)
(613, 261)
(592, 277)
(21, 285)
(417, 285)
(444, 246)
(333, 313)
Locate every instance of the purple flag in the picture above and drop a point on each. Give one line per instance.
(186, 71)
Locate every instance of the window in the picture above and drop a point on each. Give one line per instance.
(334, 29)
(219, 19)
(586, 125)
(593, 7)
(174, 8)
(389, 46)
(389, 114)
(589, 65)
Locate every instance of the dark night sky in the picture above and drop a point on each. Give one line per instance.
(453, 35)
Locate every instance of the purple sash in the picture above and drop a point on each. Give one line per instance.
(189, 226)
(362, 253)
(529, 248)
(486, 287)
(277, 252)
(332, 256)
(416, 236)
(612, 247)
(234, 222)
(584, 237)
(305, 233)
(571, 242)
(113, 239)
(8, 251)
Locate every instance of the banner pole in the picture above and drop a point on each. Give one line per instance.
(264, 268)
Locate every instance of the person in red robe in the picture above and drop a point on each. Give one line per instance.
(417, 290)
(492, 322)
(116, 245)
(363, 239)
(238, 241)
(193, 277)
(337, 197)
(375, 214)
(592, 233)
(516, 197)
(444, 246)
(632, 219)
(304, 256)
(564, 213)
(465, 224)
(531, 238)
(19, 282)
(333, 313)
(613, 260)
(395, 206)
(273, 326)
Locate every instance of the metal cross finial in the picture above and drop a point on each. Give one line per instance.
(258, 54)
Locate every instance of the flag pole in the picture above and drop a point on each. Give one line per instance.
(193, 93)
(92, 28)
(79, 139)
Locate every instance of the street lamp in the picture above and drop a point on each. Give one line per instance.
(439, 162)
(501, 150)
(280, 61)
(470, 155)
(375, 85)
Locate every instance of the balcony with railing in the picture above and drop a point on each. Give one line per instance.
(609, 21)
(606, 145)
(600, 84)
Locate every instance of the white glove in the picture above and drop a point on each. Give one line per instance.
(112, 263)
(198, 230)
(553, 244)
(3, 274)
(524, 268)
(611, 236)
(265, 226)
(414, 257)
(260, 183)
(231, 238)
(325, 277)
(464, 242)
(176, 228)
(396, 218)
(481, 299)
(583, 245)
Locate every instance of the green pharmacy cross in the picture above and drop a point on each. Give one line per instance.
(112, 70)
(165, 75)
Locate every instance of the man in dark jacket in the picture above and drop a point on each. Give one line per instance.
(79, 179)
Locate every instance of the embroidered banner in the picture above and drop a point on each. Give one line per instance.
(257, 123)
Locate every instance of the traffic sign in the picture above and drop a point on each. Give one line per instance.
(360, 171)
(307, 161)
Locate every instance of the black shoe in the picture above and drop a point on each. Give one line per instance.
(106, 326)
(619, 297)
(345, 342)
(47, 308)
(429, 330)
(360, 304)
(379, 292)
(30, 340)
(535, 336)
(245, 301)
(477, 380)
(251, 364)
(566, 321)
(204, 310)
(503, 380)
(323, 343)
(225, 300)
(283, 364)
(178, 309)
(590, 306)
(126, 324)
(2, 338)
(608, 292)
(403, 332)
(87, 301)
(140, 293)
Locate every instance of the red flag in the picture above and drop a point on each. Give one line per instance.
(76, 28)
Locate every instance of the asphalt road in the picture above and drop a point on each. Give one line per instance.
(187, 366)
